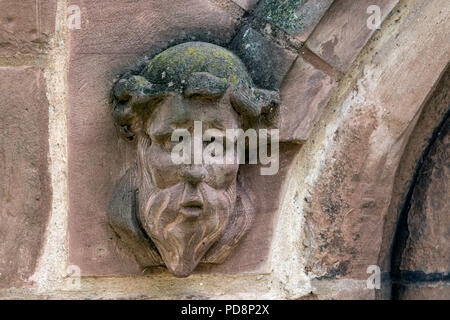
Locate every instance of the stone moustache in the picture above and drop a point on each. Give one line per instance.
(180, 215)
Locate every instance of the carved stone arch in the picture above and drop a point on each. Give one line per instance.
(415, 246)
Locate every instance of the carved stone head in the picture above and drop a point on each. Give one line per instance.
(180, 215)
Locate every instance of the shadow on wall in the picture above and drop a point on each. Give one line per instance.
(420, 256)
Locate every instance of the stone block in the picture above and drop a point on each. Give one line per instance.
(98, 158)
(310, 14)
(425, 291)
(305, 93)
(343, 31)
(267, 62)
(350, 198)
(26, 26)
(138, 27)
(428, 245)
(25, 194)
(282, 14)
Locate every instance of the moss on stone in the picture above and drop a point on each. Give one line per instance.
(282, 13)
(174, 66)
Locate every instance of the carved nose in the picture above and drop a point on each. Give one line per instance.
(194, 175)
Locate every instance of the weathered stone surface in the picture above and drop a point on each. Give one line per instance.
(425, 291)
(431, 118)
(138, 27)
(205, 219)
(24, 182)
(342, 289)
(343, 31)
(93, 175)
(428, 245)
(26, 26)
(282, 14)
(350, 197)
(305, 93)
(98, 158)
(296, 17)
(267, 62)
(246, 4)
(310, 14)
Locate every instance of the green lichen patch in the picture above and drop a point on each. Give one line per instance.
(282, 13)
(175, 66)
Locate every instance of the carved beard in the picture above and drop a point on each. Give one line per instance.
(182, 235)
(183, 240)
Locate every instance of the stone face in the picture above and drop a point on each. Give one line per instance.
(343, 31)
(98, 158)
(24, 182)
(350, 197)
(205, 211)
(93, 175)
(106, 46)
(305, 93)
(26, 26)
(267, 62)
(428, 245)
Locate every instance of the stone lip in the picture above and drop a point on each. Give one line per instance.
(107, 45)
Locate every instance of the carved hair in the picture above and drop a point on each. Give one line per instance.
(191, 69)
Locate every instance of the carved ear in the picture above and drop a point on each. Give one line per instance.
(123, 220)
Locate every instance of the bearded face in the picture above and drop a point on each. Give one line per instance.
(184, 208)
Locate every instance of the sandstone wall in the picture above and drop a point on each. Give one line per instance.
(364, 179)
